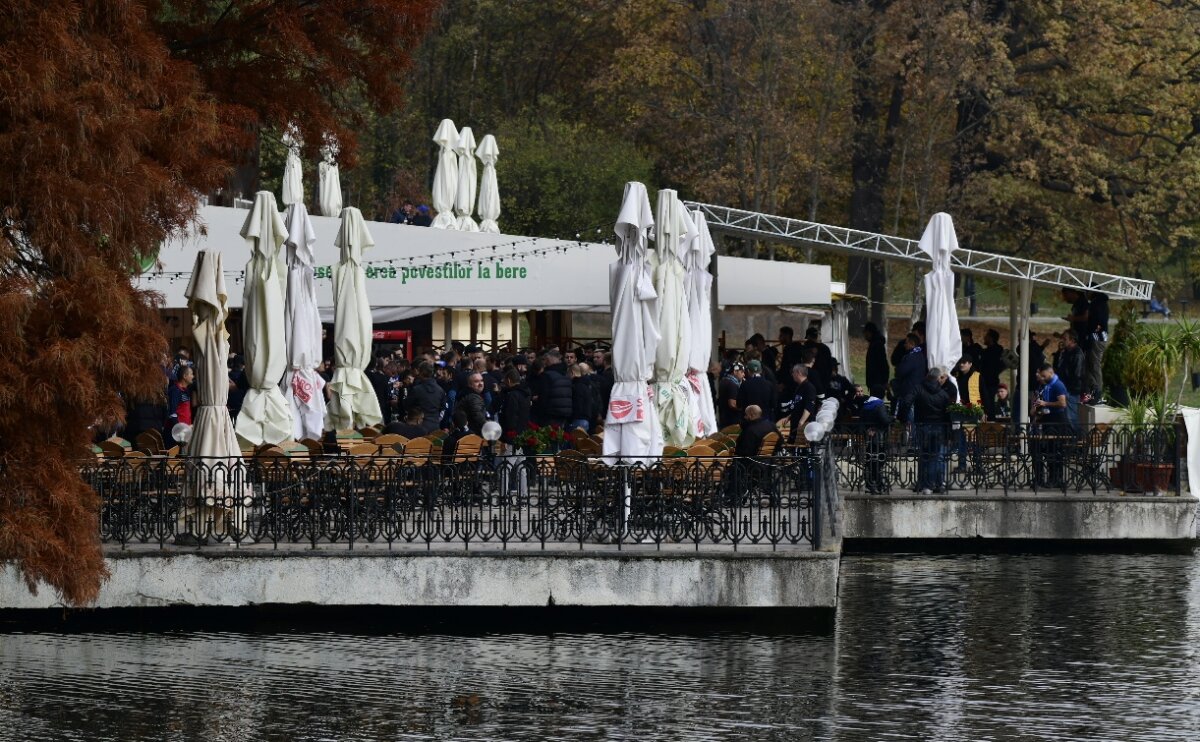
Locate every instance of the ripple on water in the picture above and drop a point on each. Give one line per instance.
(999, 647)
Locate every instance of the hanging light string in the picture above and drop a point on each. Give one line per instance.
(478, 256)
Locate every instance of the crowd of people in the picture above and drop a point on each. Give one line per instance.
(758, 386)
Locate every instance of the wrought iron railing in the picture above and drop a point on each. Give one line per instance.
(1001, 457)
(546, 500)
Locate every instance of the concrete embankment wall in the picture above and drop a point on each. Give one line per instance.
(1048, 517)
(229, 577)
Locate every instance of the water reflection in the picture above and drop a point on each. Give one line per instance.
(956, 648)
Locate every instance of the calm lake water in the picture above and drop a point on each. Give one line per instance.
(996, 647)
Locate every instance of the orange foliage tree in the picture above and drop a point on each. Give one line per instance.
(114, 114)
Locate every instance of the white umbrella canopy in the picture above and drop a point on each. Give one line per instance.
(213, 437)
(631, 427)
(464, 200)
(293, 176)
(489, 190)
(839, 317)
(445, 177)
(943, 344)
(265, 416)
(699, 294)
(352, 403)
(674, 233)
(302, 386)
(330, 188)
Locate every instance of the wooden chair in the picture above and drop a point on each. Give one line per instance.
(417, 451)
(362, 449)
(369, 433)
(770, 442)
(731, 430)
(110, 449)
(672, 451)
(315, 448)
(467, 450)
(149, 442)
(578, 435)
(698, 449)
(589, 447)
(387, 440)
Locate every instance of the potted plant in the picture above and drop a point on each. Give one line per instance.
(1156, 469)
(1135, 415)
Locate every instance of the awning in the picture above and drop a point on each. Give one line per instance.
(415, 270)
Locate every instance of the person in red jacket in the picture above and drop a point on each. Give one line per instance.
(179, 403)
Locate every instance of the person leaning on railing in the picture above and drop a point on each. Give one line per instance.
(876, 421)
(1052, 427)
(930, 400)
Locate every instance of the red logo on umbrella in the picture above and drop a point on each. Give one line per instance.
(620, 408)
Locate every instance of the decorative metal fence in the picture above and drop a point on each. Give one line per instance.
(1001, 457)
(547, 500)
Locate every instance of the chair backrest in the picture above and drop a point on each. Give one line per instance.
(588, 447)
(467, 449)
(315, 448)
(149, 441)
(671, 450)
(570, 465)
(363, 449)
(110, 449)
(270, 452)
(731, 429)
(418, 448)
(698, 449)
(578, 435)
(389, 440)
(369, 432)
(769, 443)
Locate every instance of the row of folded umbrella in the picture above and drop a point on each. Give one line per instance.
(281, 334)
(661, 302)
(454, 185)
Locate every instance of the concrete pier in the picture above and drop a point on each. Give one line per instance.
(1042, 516)
(521, 577)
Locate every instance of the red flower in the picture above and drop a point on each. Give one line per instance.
(534, 426)
(510, 435)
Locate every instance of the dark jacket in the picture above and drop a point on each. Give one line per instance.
(909, 373)
(751, 437)
(991, 364)
(1070, 369)
(877, 364)
(756, 390)
(822, 365)
(727, 389)
(472, 404)
(930, 401)
(514, 408)
(428, 397)
(874, 414)
(581, 399)
(554, 395)
(805, 400)
(792, 353)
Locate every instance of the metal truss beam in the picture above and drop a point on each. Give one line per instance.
(757, 226)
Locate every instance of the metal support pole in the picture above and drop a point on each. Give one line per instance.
(516, 330)
(1014, 317)
(447, 327)
(713, 308)
(494, 319)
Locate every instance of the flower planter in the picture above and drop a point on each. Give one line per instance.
(1155, 478)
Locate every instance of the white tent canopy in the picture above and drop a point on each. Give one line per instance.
(443, 271)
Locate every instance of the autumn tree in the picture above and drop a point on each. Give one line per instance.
(114, 115)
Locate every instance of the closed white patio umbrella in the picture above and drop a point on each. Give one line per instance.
(464, 201)
(265, 415)
(943, 343)
(674, 233)
(489, 190)
(216, 479)
(445, 176)
(839, 317)
(293, 176)
(631, 427)
(352, 403)
(329, 186)
(699, 292)
(303, 387)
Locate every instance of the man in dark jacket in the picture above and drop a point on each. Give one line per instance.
(969, 346)
(553, 394)
(930, 401)
(991, 361)
(909, 373)
(514, 403)
(803, 405)
(789, 355)
(756, 390)
(471, 403)
(875, 420)
(822, 358)
(427, 397)
(581, 399)
(727, 393)
(877, 360)
(1070, 367)
(755, 428)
